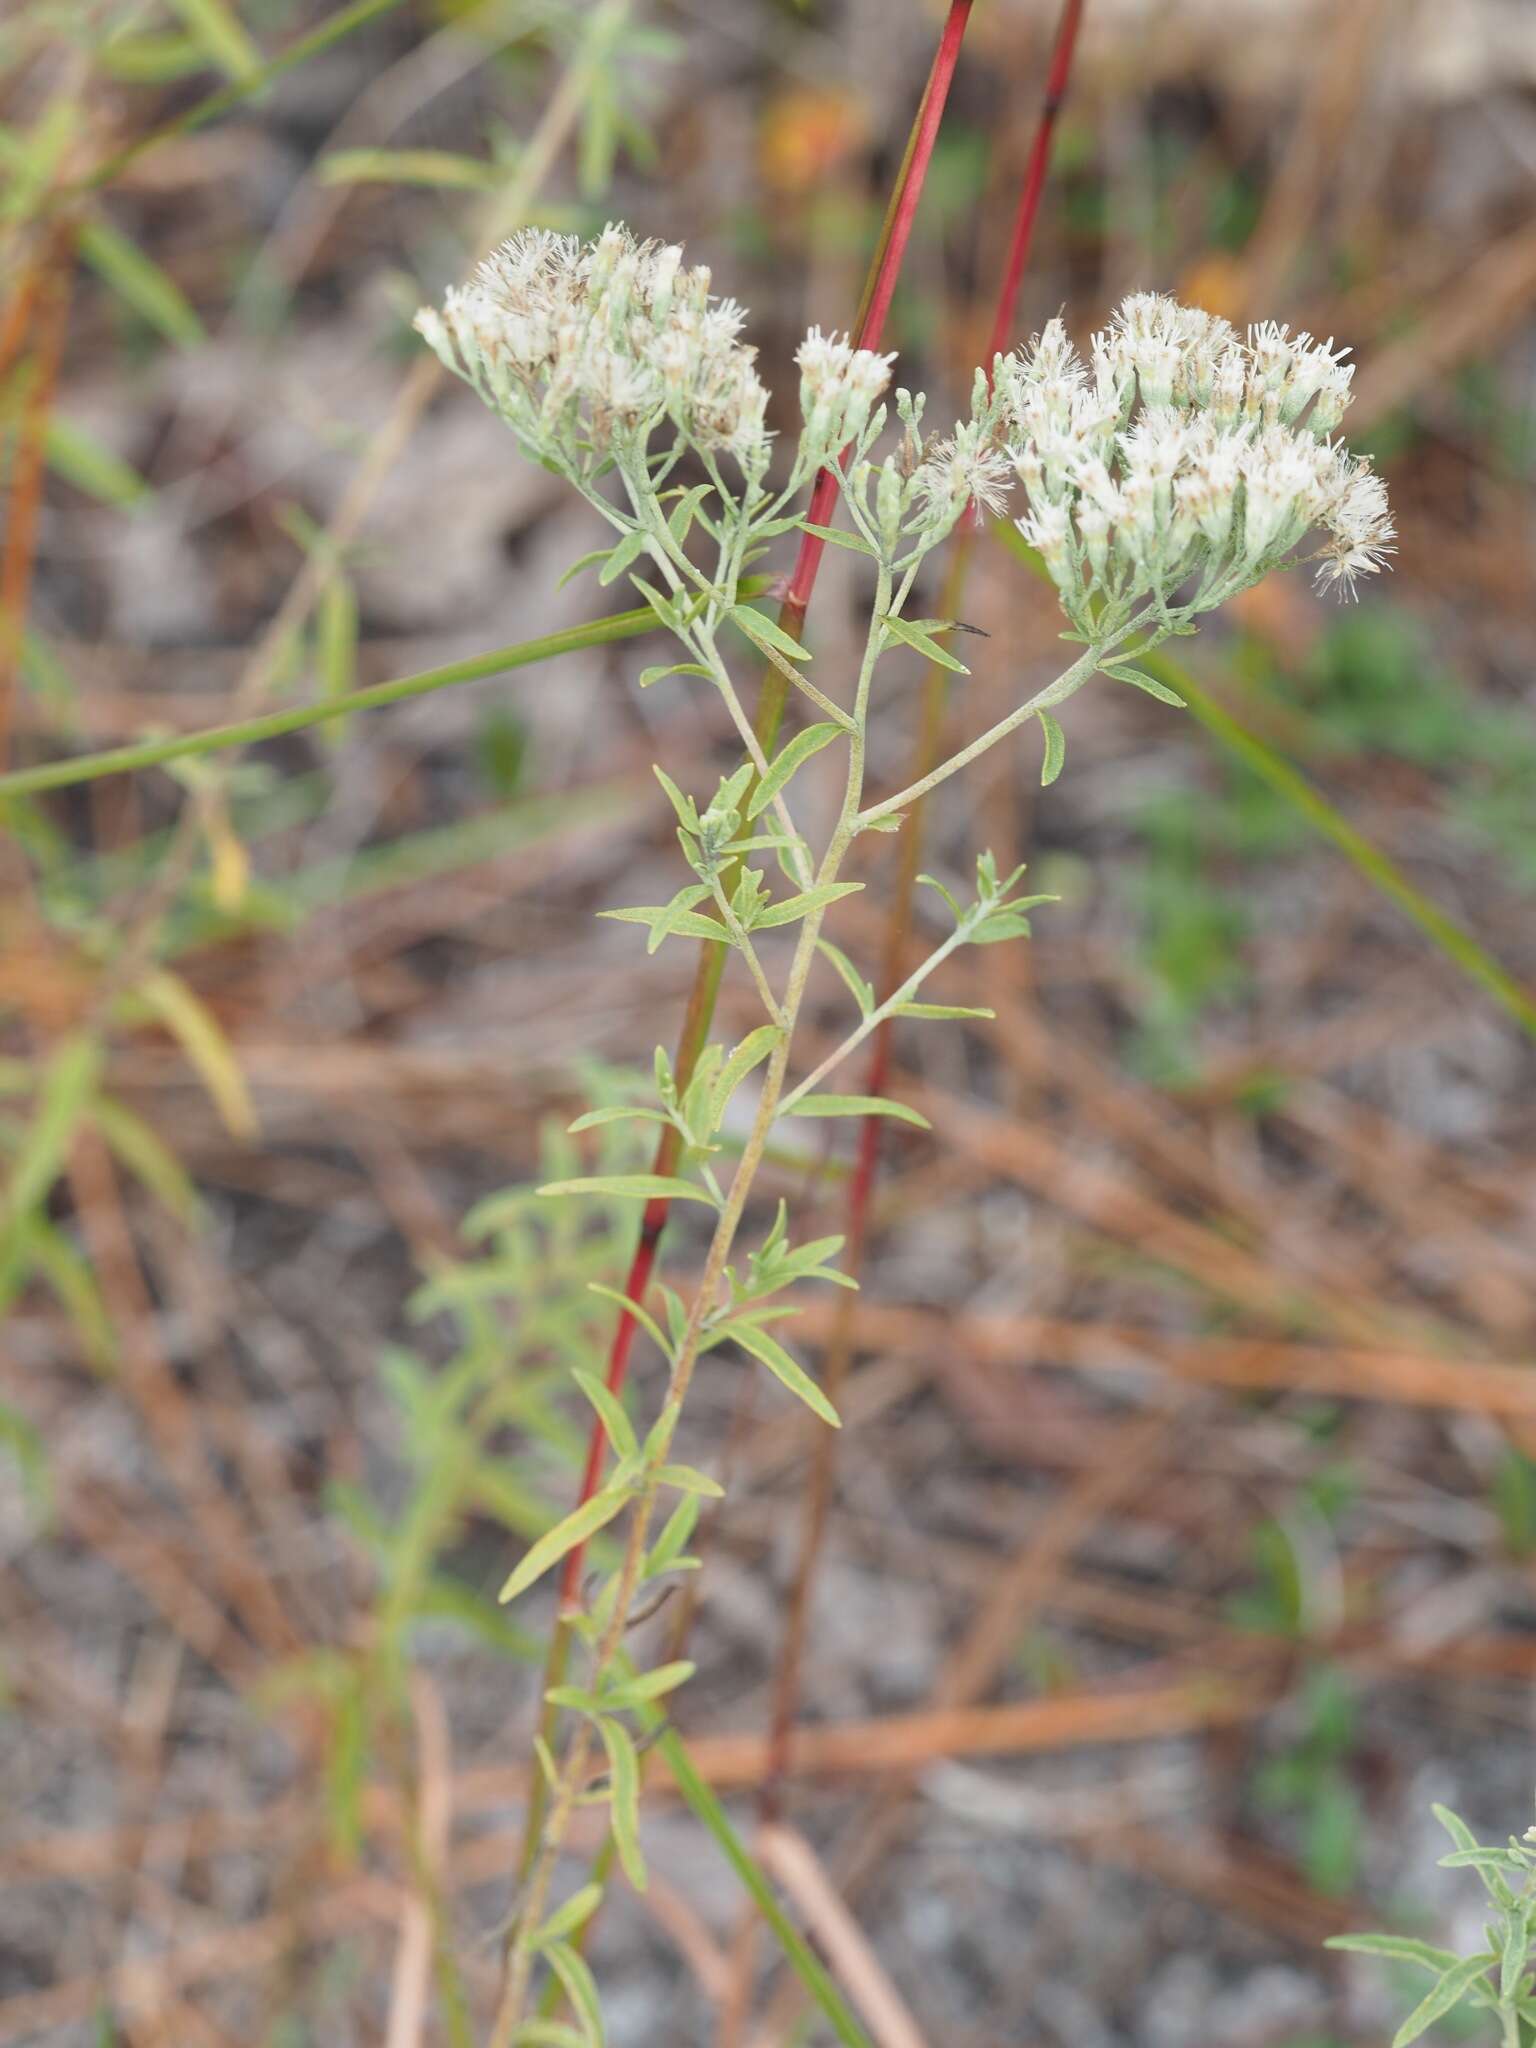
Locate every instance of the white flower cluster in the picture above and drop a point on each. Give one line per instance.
(839, 385)
(1183, 455)
(582, 346)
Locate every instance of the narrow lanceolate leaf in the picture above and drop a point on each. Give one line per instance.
(672, 922)
(783, 765)
(753, 1049)
(1143, 681)
(82, 460)
(647, 1322)
(1396, 1948)
(617, 1426)
(1448, 1992)
(650, 1685)
(855, 983)
(767, 1350)
(548, 2034)
(838, 537)
(189, 1020)
(568, 1918)
(139, 1149)
(624, 1798)
(140, 283)
(766, 633)
(218, 32)
(918, 637)
(686, 1480)
(801, 906)
(936, 1010)
(643, 1186)
(857, 1105)
(580, 1990)
(578, 1526)
(67, 1088)
(1055, 749)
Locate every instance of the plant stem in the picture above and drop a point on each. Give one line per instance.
(838, 1353)
(868, 328)
(1069, 681)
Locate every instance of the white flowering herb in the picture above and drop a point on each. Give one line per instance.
(1175, 467)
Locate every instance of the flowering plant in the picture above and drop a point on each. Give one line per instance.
(1175, 468)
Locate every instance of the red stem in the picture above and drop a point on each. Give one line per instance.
(838, 1354)
(870, 325)
(1056, 82)
(868, 328)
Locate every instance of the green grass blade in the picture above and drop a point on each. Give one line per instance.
(1453, 939)
(272, 724)
(712, 1815)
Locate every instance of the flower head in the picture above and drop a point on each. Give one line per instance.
(839, 385)
(1182, 454)
(579, 346)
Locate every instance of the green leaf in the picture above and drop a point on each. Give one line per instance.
(216, 28)
(436, 167)
(578, 1526)
(1055, 748)
(593, 1119)
(935, 1010)
(645, 1686)
(857, 986)
(913, 635)
(617, 1427)
(81, 460)
(1449, 1992)
(794, 907)
(751, 1052)
(201, 1037)
(1142, 681)
(658, 670)
(765, 633)
(141, 283)
(1455, 1827)
(624, 1798)
(857, 1105)
(580, 1989)
(669, 1546)
(686, 1480)
(767, 1350)
(1396, 1948)
(783, 765)
(548, 2034)
(66, 1269)
(682, 924)
(627, 550)
(838, 537)
(68, 1084)
(633, 1309)
(643, 1186)
(566, 1920)
(139, 1148)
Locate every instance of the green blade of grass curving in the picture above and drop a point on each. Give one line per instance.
(1383, 873)
(706, 1809)
(274, 724)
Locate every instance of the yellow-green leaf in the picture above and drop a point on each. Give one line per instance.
(578, 1526)
(195, 1028)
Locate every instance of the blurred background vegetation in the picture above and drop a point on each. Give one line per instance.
(1184, 1538)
